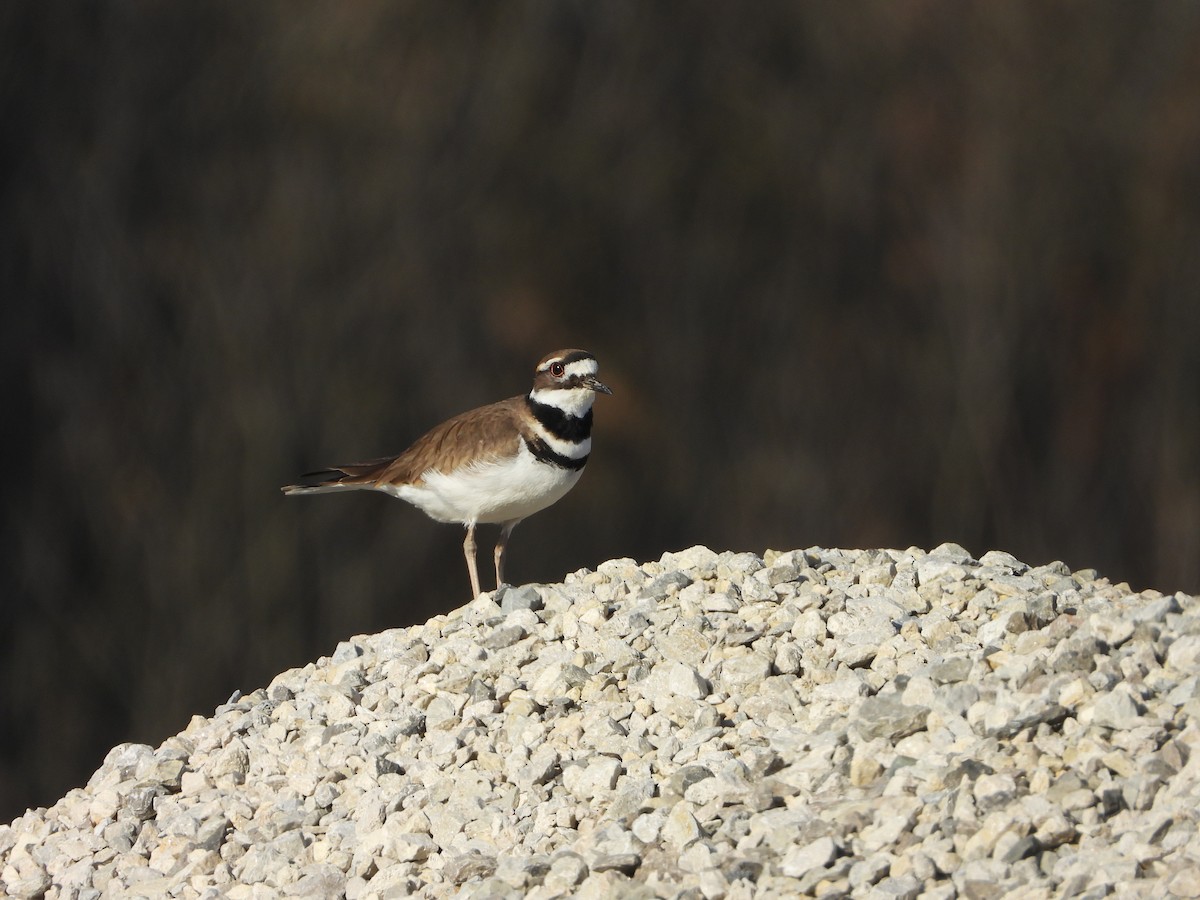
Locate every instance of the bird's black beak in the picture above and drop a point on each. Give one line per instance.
(596, 385)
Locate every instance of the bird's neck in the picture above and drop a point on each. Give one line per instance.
(562, 413)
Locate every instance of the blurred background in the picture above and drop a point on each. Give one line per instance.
(871, 274)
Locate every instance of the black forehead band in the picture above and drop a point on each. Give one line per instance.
(569, 358)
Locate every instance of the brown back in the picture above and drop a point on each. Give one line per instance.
(482, 433)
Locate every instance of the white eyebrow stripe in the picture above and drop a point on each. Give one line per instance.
(582, 367)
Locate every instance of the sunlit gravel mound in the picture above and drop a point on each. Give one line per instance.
(892, 724)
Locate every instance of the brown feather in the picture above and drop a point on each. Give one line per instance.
(480, 434)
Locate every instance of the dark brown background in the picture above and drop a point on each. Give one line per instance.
(860, 274)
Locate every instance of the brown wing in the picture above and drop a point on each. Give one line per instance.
(482, 433)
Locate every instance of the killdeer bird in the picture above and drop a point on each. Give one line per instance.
(495, 464)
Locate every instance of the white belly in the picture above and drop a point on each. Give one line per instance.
(491, 492)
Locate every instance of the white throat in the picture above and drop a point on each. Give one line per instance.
(574, 402)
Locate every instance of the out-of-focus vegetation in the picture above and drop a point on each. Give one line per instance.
(860, 274)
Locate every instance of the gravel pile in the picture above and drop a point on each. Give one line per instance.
(891, 724)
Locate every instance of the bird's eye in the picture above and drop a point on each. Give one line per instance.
(557, 369)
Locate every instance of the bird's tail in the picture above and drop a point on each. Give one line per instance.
(321, 488)
(350, 477)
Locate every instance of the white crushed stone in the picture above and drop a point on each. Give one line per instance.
(892, 724)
